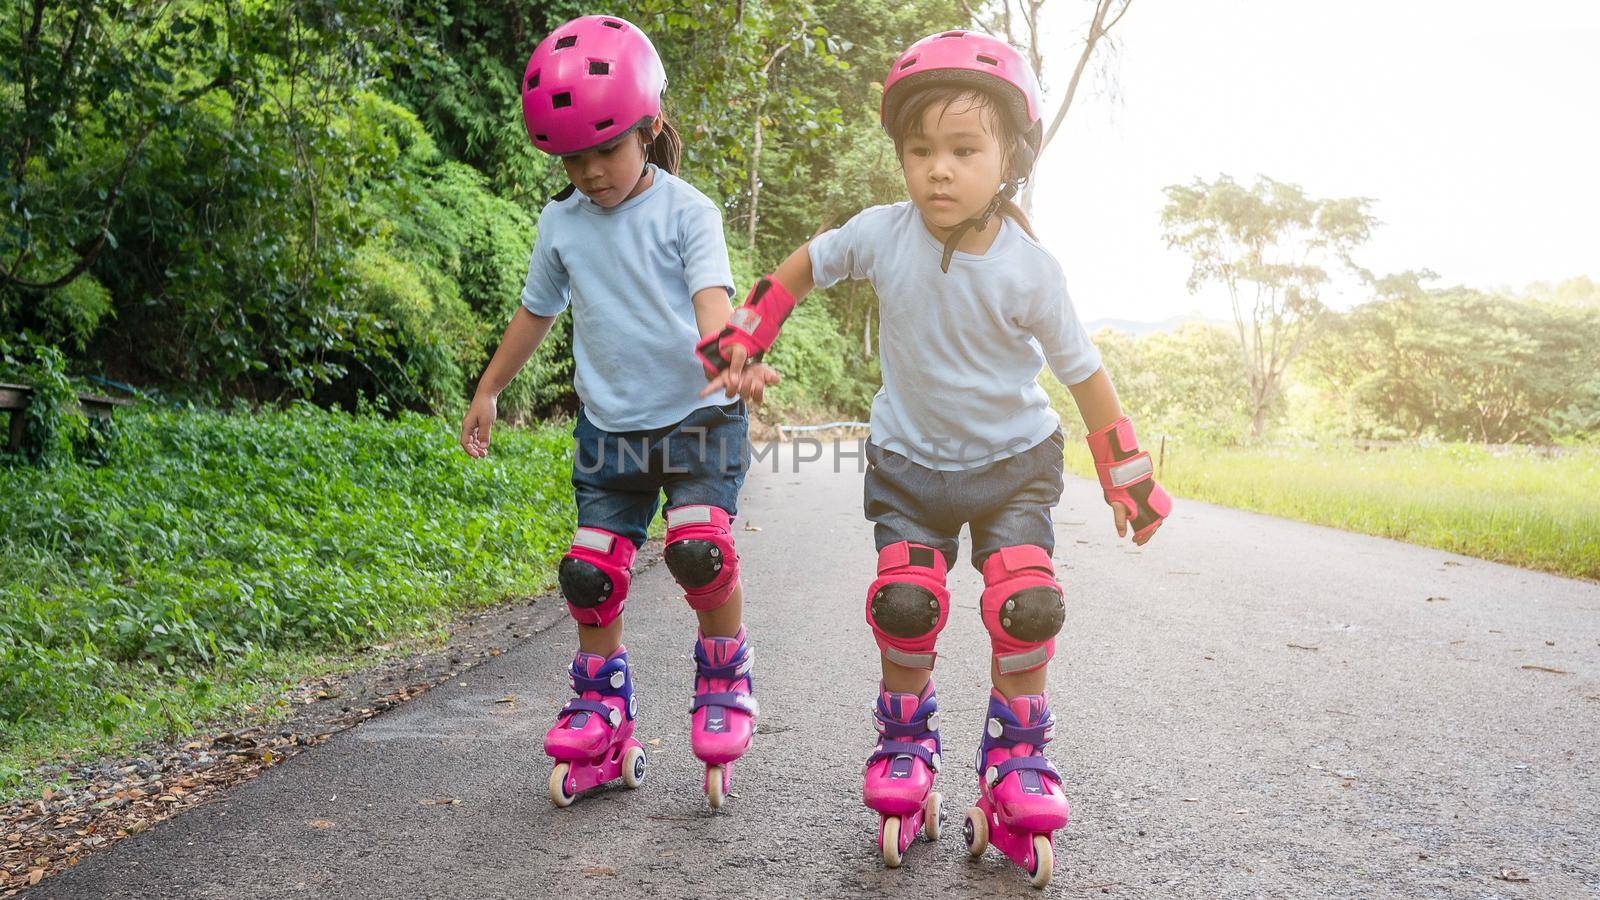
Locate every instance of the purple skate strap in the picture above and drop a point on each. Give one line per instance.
(916, 728)
(1028, 763)
(600, 685)
(1035, 735)
(578, 704)
(901, 748)
(725, 700)
(737, 667)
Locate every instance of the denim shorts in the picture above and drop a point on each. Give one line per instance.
(618, 476)
(1004, 503)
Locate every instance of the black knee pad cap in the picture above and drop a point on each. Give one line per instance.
(583, 584)
(905, 610)
(693, 563)
(1033, 614)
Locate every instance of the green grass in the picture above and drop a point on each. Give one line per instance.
(218, 558)
(1517, 507)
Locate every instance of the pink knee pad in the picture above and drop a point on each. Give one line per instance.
(1022, 607)
(700, 555)
(907, 605)
(595, 576)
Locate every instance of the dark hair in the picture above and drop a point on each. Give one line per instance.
(664, 149)
(906, 123)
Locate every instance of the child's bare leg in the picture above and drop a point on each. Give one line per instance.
(600, 640)
(1018, 683)
(904, 678)
(725, 620)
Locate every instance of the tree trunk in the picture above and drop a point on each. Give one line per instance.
(755, 181)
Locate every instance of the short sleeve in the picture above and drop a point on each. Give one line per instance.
(544, 292)
(705, 252)
(1069, 352)
(842, 253)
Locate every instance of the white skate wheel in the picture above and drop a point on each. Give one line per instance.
(714, 786)
(889, 842)
(558, 785)
(976, 832)
(933, 815)
(633, 767)
(1044, 860)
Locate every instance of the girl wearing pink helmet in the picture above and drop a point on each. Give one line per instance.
(971, 308)
(638, 255)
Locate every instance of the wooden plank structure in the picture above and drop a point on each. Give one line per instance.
(14, 398)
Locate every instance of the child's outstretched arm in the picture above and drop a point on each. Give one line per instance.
(524, 334)
(752, 328)
(1125, 471)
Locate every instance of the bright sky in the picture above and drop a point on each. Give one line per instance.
(1474, 125)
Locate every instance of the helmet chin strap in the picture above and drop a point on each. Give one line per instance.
(980, 222)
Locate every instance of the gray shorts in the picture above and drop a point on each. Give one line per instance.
(1005, 503)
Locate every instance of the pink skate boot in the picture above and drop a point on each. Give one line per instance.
(1021, 801)
(592, 741)
(900, 771)
(723, 711)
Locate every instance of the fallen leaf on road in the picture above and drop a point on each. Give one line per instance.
(1546, 669)
(1512, 875)
(320, 824)
(749, 527)
(1304, 647)
(654, 742)
(1438, 599)
(599, 870)
(509, 698)
(443, 801)
(1191, 799)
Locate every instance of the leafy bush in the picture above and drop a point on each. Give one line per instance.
(209, 537)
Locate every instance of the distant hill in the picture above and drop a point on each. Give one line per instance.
(1142, 328)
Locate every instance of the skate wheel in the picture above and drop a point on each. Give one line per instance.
(716, 786)
(976, 832)
(933, 815)
(1044, 860)
(633, 767)
(889, 842)
(558, 785)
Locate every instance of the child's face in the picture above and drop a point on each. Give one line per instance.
(608, 174)
(955, 166)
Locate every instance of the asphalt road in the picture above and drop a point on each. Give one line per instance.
(1247, 706)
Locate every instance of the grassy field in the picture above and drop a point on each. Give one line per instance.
(218, 558)
(1518, 507)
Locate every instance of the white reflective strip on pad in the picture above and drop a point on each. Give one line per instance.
(1020, 662)
(689, 515)
(1126, 473)
(909, 660)
(746, 319)
(590, 539)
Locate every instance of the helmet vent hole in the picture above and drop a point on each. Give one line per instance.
(561, 100)
(533, 81)
(988, 60)
(599, 67)
(612, 23)
(909, 63)
(952, 34)
(603, 124)
(541, 137)
(568, 41)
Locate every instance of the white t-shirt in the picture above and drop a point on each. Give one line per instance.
(960, 352)
(630, 273)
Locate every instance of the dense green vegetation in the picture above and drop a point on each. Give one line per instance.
(214, 541)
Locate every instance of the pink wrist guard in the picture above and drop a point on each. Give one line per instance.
(754, 326)
(1128, 476)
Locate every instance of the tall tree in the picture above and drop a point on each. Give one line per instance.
(1272, 247)
(1019, 22)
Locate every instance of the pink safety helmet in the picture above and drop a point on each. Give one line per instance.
(974, 59)
(588, 82)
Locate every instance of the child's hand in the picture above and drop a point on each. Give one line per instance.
(1120, 514)
(476, 426)
(747, 381)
